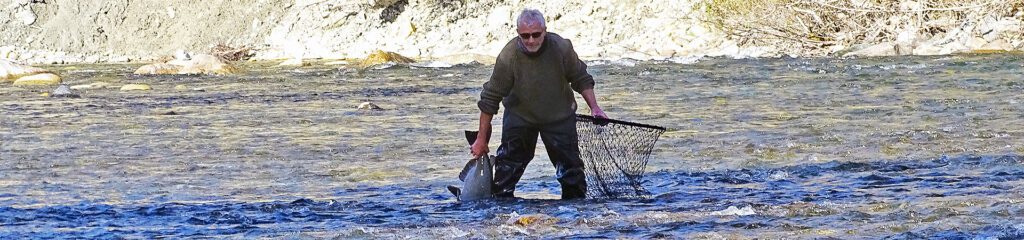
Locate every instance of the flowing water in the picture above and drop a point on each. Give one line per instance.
(903, 148)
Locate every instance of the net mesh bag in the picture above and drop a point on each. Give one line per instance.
(615, 154)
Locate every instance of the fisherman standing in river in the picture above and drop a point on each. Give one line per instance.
(534, 77)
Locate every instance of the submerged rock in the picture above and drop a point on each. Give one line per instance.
(530, 219)
(95, 85)
(186, 64)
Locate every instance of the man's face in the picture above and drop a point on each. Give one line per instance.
(532, 36)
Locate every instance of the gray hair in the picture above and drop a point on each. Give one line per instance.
(530, 16)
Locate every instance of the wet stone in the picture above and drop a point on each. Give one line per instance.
(369, 106)
(63, 91)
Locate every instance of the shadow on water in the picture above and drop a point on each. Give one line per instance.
(880, 199)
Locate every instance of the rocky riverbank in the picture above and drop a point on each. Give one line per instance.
(47, 32)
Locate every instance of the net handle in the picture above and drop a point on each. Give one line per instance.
(595, 120)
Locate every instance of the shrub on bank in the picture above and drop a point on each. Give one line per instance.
(911, 27)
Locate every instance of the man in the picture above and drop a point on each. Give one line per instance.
(534, 77)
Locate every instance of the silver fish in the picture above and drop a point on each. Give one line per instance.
(477, 177)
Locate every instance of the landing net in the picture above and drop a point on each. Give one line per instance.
(615, 154)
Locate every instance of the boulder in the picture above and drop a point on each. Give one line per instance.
(996, 46)
(27, 75)
(976, 43)
(929, 49)
(381, 57)
(63, 91)
(159, 68)
(369, 106)
(42, 79)
(186, 64)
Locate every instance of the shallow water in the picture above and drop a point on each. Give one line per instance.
(904, 147)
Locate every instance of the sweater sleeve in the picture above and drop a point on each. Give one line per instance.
(576, 70)
(498, 86)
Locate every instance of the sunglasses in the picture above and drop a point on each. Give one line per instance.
(525, 36)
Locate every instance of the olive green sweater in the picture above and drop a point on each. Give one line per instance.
(537, 87)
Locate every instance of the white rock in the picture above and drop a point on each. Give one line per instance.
(10, 71)
(928, 49)
(500, 16)
(881, 49)
(182, 55)
(63, 91)
(369, 106)
(906, 40)
(25, 15)
(999, 44)
(976, 43)
(6, 52)
(729, 48)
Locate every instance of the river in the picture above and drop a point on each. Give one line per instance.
(894, 147)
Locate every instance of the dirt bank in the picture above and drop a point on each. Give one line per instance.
(64, 31)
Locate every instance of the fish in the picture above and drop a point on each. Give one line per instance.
(477, 176)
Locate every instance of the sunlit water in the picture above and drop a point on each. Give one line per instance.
(904, 148)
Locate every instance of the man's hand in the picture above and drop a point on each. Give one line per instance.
(597, 113)
(595, 110)
(479, 148)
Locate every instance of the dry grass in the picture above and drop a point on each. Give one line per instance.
(822, 23)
